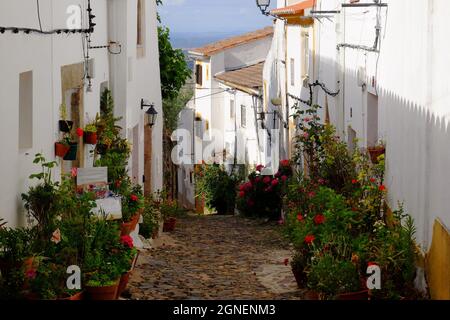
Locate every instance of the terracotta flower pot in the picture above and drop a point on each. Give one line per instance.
(360, 295)
(90, 137)
(375, 152)
(61, 149)
(65, 125)
(128, 227)
(103, 293)
(124, 279)
(75, 297)
(169, 225)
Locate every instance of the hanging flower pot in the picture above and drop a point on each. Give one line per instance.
(376, 152)
(61, 149)
(90, 137)
(65, 126)
(71, 155)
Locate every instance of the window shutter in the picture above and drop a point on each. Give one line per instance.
(199, 74)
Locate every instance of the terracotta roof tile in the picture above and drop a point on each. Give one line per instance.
(221, 45)
(295, 9)
(249, 77)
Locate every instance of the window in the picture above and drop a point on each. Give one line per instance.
(26, 110)
(232, 111)
(140, 52)
(292, 72)
(199, 74)
(305, 61)
(243, 116)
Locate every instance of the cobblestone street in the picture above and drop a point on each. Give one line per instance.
(216, 257)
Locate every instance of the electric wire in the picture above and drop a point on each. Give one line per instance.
(39, 14)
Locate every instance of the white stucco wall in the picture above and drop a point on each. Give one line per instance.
(44, 56)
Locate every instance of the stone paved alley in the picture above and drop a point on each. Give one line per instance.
(216, 257)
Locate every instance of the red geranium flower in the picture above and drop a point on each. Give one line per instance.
(372, 264)
(257, 179)
(382, 188)
(31, 274)
(300, 217)
(127, 240)
(274, 182)
(241, 194)
(284, 163)
(373, 180)
(309, 239)
(80, 132)
(267, 180)
(312, 194)
(319, 219)
(134, 197)
(242, 187)
(284, 178)
(354, 181)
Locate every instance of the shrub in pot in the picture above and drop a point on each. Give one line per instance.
(90, 134)
(169, 210)
(151, 220)
(217, 187)
(132, 205)
(127, 257)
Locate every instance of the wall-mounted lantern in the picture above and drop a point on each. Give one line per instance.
(151, 114)
(263, 5)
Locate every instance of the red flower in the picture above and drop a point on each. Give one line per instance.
(274, 182)
(248, 186)
(286, 261)
(127, 241)
(372, 264)
(241, 194)
(382, 188)
(284, 163)
(31, 274)
(267, 180)
(278, 174)
(134, 197)
(259, 167)
(373, 180)
(309, 239)
(284, 178)
(354, 181)
(242, 187)
(118, 183)
(312, 194)
(257, 179)
(321, 181)
(300, 217)
(80, 132)
(319, 219)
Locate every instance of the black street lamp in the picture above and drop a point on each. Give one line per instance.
(263, 5)
(151, 114)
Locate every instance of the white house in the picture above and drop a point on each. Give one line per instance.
(388, 60)
(39, 72)
(228, 92)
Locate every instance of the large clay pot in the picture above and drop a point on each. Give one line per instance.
(103, 293)
(300, 277)
(61, 149)
(128, 227)
(75, 297)
(123, 283)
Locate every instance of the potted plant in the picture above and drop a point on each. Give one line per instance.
(127, 259)
(62, 147)
(151, 217)
(376, 151)
(90, 133)
(169, 210)
(64, 124)
(299, 263)
(132, 207)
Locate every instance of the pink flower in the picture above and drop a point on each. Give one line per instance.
(134, 197)
(278, 174)
(241, 194)
(321, 181)
(257, 179)
(281, 222)
(306, 135)
(275, 182)
(74, 172)
(248, 186)
(267, 180)
(80, 132)
(259, 167)
(311, 194)
(284, 178)
(307, 119)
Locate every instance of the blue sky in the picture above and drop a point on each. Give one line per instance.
(225, 16)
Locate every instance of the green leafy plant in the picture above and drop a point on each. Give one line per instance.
(151, 219)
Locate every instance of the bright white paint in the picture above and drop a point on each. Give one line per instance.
(45, 55)
(409, 77)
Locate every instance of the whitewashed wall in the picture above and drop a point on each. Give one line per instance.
(45, 55)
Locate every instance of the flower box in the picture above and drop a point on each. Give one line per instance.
(90, 137)
(61, 149)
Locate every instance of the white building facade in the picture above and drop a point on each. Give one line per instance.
(388, 60)
(40, 72)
